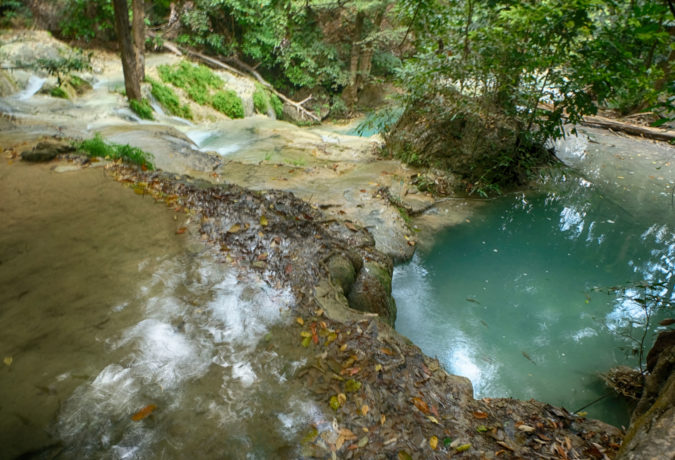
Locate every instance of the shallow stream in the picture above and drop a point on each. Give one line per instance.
(517, 299)
(122, 338)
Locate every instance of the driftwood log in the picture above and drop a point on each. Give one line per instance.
(658, 134)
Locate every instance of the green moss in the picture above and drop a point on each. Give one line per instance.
(97, 147)
(58, 92)
(169, 100)
(261, 100)
(277, 105)
(228, 103)
(142, 108)
(78, 84)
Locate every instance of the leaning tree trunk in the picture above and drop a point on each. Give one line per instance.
(132, 76)
(138, 32)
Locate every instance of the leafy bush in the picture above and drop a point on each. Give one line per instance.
(197, 80)
(261, 100)
(74, 61)
(97, 147)
(229, 103)
(277, 105)
(142, 108)
(88, 19)
(169, 100)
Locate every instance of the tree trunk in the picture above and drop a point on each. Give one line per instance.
(132, 80)
(349, 93)
(138, 32)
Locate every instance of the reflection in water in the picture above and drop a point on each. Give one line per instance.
(518, 299)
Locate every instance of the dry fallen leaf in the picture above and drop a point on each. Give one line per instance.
(433, 442)
(300, 321)
(143, 413)
(181, 230)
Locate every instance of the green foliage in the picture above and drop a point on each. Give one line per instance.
(75, 61)
(497, 80)
(142, 108)
(58, 92)
(13, 12)
(261, 100)
(196, 80)
(277, 105)
(169, 100)
(97, 147)
(229, 103)
(88, 19)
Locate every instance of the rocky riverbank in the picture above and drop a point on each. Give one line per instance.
(306, 210)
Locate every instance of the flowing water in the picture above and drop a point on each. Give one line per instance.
(107, 310)
(513, 299)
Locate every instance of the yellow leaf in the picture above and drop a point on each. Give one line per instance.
(305, 333)
(433, 442)
(342, 398)
(234, 229)
(343, 347)
(300, 321)
(365, 409)
(263, 221)
(378, 367)
(382, 419)
(433, 419)
(8, 360)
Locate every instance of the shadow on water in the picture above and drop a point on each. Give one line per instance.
(509, 299)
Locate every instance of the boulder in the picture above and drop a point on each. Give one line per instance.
(372, 291)
(46, 151)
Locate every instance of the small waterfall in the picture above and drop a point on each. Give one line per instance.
(34, 85)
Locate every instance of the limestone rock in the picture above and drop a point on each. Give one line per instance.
(372, 291)
(46, 151)
(342, 272)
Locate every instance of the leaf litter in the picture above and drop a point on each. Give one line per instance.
(387, 398)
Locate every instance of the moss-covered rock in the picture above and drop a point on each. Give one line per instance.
(342, 272)
(7, 84)
(651, 434)
(371, 291)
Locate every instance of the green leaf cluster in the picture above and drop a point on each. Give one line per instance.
(97, 147)
(168, 99)
(142, 108)
(203, 86)
(497, 80)
(229, 103)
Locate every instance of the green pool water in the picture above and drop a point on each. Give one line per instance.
(516, 299)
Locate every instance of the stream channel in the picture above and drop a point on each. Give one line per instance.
(516, 298)
(111, 314)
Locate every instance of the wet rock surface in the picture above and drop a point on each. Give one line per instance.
(388, 400)
(652, 431)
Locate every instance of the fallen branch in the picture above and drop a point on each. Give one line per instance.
(248, 70)
(629, 128)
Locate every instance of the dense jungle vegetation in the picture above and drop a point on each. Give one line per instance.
(477, 87)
